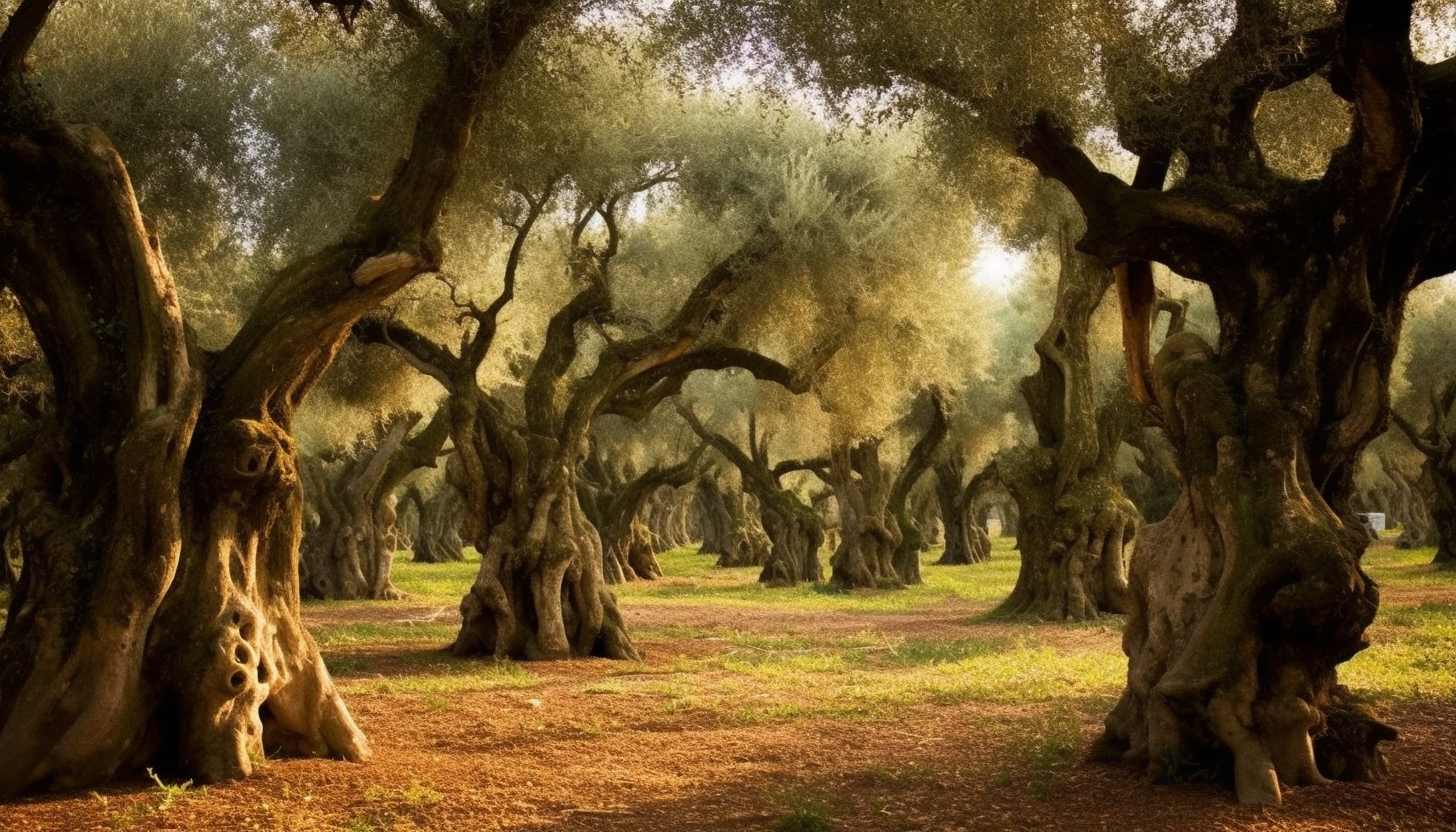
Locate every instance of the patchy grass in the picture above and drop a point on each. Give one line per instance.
(442, 677)
(804, 812)
(1406, 568)
(435, 583)
(1413, 642)
(783, 670)
(1412, 654)
(691, 578)
(401, 632)
(1045, 744)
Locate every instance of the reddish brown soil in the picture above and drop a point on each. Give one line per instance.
(558, 757)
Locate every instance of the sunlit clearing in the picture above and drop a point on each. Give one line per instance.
(997, 269)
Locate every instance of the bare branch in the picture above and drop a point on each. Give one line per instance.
(419, 351)
(20, 34)
(922, 454)
(638, 399)
(348, 10)
(818, 466)
(1419, 442)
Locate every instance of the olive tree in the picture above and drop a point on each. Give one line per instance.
(1429, 382)
(158, 612)
(1249, 595)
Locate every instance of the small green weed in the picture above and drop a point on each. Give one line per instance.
(170, 794)
(389, 806)
(804, 814)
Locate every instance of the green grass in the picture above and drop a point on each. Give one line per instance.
(435, 583)
(804, 812)
(1413, 648)
(1412, 654)
(691, 578)
(374, 632)
(1045, 744)
(445, 676)
(792, 673)
(1407, 568)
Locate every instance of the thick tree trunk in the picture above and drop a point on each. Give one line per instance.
(540, 592)
(437, 536)
(1250, 594)
(1155, 488)
(627, 543)
(794, 530)
(1410, 509)
(795, 536)
(965, 541)
(1245, 598)
(869, 534)
(157, 619)
(1441, 481)
(906, 557)
(669, 519)
(157, 615)
(1437, 443)
(1075, 519)
(925, 513)
(1073, 564)
(351, 554)
(729, 528)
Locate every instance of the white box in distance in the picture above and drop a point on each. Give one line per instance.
(1375, 520)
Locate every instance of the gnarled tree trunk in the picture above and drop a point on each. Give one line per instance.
(351, 554)
(541, 592)
(925, 515)
(157, 618)
(906, 559)
(668, 518)
(437, 536)
(1408, 508)
(729, 529)
(1438, 470)
(626, 541)
(965, 541)
(869, 534)
(1075, 518)
(1250, 594)
(794, 530)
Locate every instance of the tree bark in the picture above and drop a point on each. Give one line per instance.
(668, 519)
(1075, 518)
(965, 541)
(729, 530)
(157, 617)
(437, 538)
(626, 541)
(794, 530)
(1408, 508)
(906, 558)
(925, 513)
(1438, 470)
(869, 534)
(351, 554)
(1250, 594)
(541, 592)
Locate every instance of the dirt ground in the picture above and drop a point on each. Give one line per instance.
(558, 756)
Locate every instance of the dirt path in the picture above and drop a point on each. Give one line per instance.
(560, 755)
